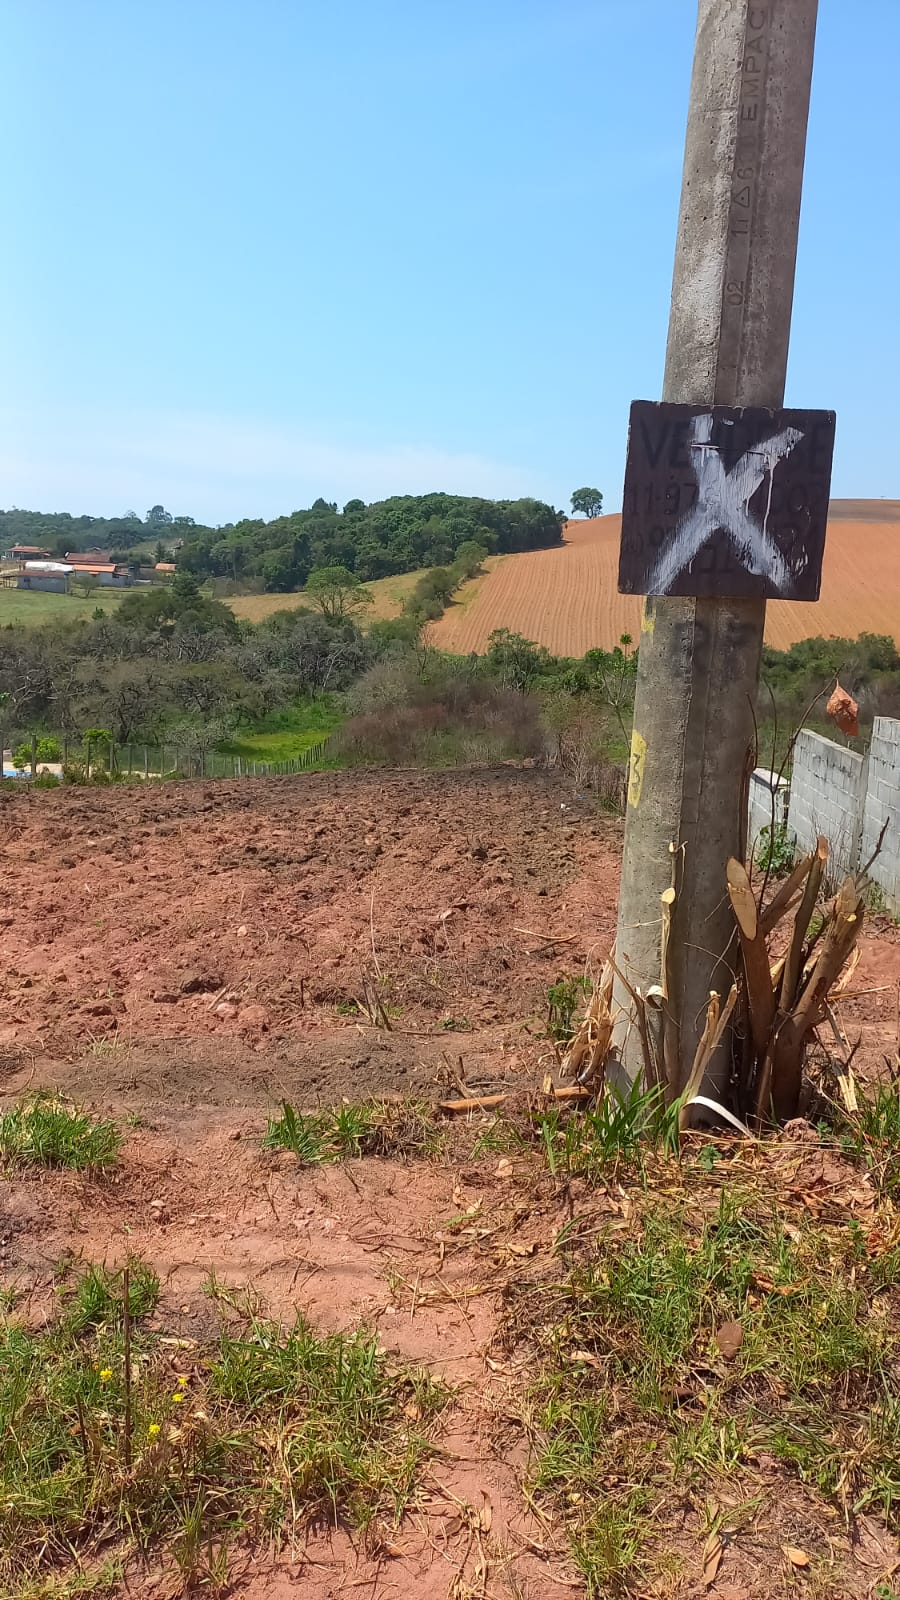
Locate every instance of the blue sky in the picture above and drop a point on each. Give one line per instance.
(261, 250)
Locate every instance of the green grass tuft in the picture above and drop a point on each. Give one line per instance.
(873, 1134)
(97, 1300)
(47, 1132)
(565, 1001)
(622, 1128)
(286, 733)
(373, 1128)
(258, 1435)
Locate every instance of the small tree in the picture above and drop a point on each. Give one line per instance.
(614, 677)
(337, 592)
(46, 749)
(589, 502)
(97, 743)
(185, 589)
(516, 661)
(469, 557)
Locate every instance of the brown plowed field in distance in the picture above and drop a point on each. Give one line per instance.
(567, 598)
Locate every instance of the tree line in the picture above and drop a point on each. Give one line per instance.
(370, 541)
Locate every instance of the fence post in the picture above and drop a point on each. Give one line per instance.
(130, 760)
(65, 756)
(34, 755)
(3, 754)
(87, 759)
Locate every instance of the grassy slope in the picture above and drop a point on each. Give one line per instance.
(20, 605)
(388, 596)
(287, 733)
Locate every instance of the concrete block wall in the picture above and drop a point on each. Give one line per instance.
(882, 805)
(828, 788)
(762, 784)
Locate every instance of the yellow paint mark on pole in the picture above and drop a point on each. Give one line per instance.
(636, 767)
(648, 617)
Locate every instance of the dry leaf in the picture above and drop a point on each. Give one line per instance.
(587, 1357)
(504, 1168)
(516, 1249)
(796, 1556)
(729, 1338)
(713, 1551)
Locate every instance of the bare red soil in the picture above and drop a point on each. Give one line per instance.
(185, 957)
(230, 927)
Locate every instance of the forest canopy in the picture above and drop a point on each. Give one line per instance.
(371, 541)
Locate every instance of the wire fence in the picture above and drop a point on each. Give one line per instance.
(98, 760)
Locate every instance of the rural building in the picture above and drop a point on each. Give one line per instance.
(165, 569)
(50, 576)
(109, 574)
(26, 552)
(88, 558)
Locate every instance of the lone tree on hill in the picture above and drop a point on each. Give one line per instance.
(588, 501)
(337, 592)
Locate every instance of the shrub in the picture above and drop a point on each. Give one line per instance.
(448, 724)
(47, 749)
(774, 852)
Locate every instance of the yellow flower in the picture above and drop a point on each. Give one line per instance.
(177, 1398)
(153, 1429)
(182, 1380)
(106, 1374)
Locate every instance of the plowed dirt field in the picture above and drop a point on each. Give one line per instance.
(567, 598)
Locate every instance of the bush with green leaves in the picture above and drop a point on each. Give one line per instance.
(45, 749)
(775, 850)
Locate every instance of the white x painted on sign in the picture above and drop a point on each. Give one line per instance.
(723, 500)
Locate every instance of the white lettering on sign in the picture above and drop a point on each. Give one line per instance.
(723, 503)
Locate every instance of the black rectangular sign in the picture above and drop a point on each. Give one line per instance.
(725, 501)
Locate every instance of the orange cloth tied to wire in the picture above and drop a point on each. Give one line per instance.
(845, 711)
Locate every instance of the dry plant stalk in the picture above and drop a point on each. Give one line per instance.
(585, 1059)
(785, 999)
(372, 1006)
(717, 1020)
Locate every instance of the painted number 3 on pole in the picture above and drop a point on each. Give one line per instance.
(725, 502)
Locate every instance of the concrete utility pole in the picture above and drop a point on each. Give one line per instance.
(698, 671)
